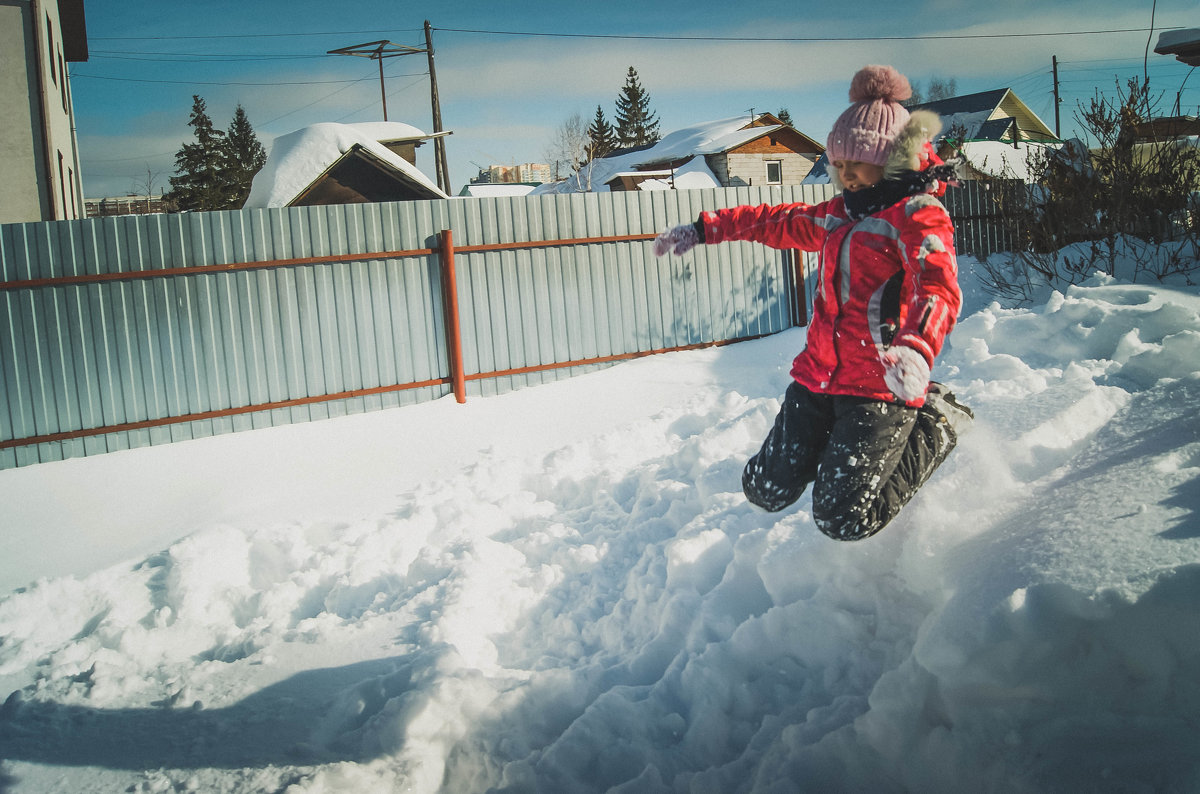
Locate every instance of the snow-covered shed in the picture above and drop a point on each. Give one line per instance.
(343, 164)
(730, 152)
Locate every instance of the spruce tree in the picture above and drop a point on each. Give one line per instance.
(602, 138)
(201, 167)
(637, 125)
(246, 156)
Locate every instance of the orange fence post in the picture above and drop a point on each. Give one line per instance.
(453, 331)
(800, 296)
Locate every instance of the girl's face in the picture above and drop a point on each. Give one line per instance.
(856, 176)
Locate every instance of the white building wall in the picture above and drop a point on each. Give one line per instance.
(38, 158)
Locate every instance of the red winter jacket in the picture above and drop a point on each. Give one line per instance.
(888, 279)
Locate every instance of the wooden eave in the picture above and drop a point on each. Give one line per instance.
(364, 154)
(803, 143)
(1030, 125)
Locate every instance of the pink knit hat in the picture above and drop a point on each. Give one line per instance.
(865, 131)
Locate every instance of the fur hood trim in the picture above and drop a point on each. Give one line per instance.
(905, 155)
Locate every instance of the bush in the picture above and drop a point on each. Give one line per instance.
(1125, 207)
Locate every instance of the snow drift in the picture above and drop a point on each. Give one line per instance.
(562, 589)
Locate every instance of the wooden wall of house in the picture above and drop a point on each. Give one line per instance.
(738, 169)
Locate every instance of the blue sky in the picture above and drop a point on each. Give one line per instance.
(504, 92)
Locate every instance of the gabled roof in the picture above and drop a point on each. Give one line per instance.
(682, 145)
(989, 116)
(969, 103)
(298, 160)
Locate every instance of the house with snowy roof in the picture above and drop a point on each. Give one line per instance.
(994, 132)
(343, 164)
(733, 152)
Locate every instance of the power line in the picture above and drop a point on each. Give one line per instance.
(191, 57)
(251, 35)
(210, 82)
(637, 37)
(657, 37)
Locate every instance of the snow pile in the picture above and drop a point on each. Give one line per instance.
(562, 589)
(298, 158)
(711, 137)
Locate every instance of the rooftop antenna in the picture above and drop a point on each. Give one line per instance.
(377, 51)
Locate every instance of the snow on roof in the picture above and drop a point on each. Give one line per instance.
(1001, 159)
(1174, 38)
(297, 159)
(693, 175)
(710, 137)
(488, 190)
(971, 122)
(389, 131)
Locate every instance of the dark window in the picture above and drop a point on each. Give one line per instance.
(50, 48)
(62, 186)
(774, 172)
(62, 84)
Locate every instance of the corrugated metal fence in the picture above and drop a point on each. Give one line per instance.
(123, 332)
(137, 330)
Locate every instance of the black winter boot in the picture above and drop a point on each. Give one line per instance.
(941, 401)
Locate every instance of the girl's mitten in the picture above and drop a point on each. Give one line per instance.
(905, 372)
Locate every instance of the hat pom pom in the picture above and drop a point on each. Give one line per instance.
(879, 82)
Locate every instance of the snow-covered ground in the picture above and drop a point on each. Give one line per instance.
(562, 589)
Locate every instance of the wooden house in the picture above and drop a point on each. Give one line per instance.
(731, 152)
(762, 151)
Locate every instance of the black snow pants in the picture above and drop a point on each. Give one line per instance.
(865, 459)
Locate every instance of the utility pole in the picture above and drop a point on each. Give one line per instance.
(377, 51)
(439, 143)
(1054, 69)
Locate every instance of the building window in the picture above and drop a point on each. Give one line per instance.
(62, 84)
(774, 172)
(62, 186)
(50, 49)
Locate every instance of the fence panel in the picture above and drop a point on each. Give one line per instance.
(977, 228)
